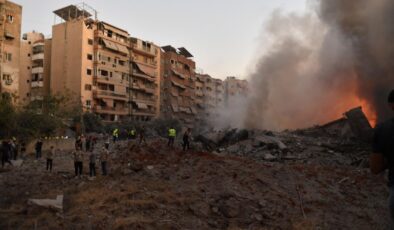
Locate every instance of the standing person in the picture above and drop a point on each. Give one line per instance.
(92, 164)
(171, 136)
(88, 143)
(104, 154)
(78, 162)
(382, 157)
(38, 148)
(142, 135)
(12, 146)
(107, 143)
(115, 135)
(83, 143)
(133, 134)
(50, 155)
(5, 151)
(186, 139)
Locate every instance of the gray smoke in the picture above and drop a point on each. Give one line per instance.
(323, 63)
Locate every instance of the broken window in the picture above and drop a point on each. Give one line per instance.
(88, 103)
(88, 71)
(88, 87)
(90, 57)
(111, 87)
(90, 41)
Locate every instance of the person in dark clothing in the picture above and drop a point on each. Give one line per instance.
(382, 157)
(38, 148)
(78, 162)
(104, 159)
(142, 135)
(186, 139)
(88, 143)
(50, 155)
(92, 164)
(5, 153)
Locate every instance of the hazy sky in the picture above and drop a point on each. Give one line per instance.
(223, 35)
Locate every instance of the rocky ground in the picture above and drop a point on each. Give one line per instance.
(290, 180)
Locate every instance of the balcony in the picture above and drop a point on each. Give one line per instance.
(37, 84)
(39, 56)
(37, 69)
(110, 94)
(111, 110)
(148, 101)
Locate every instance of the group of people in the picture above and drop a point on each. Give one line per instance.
(84, 149)
(10, 150)
(172, 134)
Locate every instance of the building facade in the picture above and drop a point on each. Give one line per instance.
(34, 80)
(234, 88)
(178, 85)
(95, 62)
(10, 33)
(145, 90)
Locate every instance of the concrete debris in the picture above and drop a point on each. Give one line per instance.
(56, 204)
(17, 163)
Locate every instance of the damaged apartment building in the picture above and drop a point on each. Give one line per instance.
(110, 73)
(35, 62)
(178, 85)
(209, 95)
(10, 33)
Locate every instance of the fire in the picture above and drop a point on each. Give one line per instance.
(354, 101)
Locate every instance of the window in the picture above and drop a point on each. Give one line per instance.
(104, 73)
(28, 81)
(88, 71)
(88, 87)
(109, 33)
(8, 56)
(28, 55)
(90, 57)
(90, 41)
(28, 67)
(10, 18)
(27, 94)
(29, 42)
(88, 103)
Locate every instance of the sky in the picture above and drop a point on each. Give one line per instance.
(223, 35)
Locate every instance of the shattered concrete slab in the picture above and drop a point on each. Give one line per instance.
(49, 203)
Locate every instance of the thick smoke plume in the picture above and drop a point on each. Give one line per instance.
(321, 64)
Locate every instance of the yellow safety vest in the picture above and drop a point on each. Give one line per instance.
(172, 132)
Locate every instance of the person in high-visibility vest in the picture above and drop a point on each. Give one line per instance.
(171, 137)
(115, 135)
(133, 134)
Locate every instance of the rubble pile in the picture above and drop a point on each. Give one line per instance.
(235, 179)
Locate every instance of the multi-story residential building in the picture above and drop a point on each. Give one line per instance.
(145, 90)
(205, 95)
(219, 93)
(234, 88)
(94, 60)
(10, 33)
(178, 85)
(34, 80)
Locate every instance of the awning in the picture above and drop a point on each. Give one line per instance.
(9, 35)
(174, 107)
(110, 45)
(122, 49)
(145, 69)
(179, 74)
(178, 85)
(141, 105)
